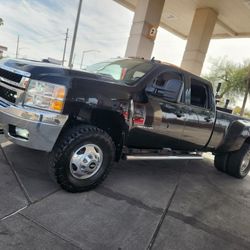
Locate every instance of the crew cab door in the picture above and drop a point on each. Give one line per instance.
(200, 106)
(164, 116)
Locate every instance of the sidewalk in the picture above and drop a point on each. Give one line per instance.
(141, 205)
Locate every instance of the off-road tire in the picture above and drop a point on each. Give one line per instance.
(220, 162)
(59, 158)
(235, 160)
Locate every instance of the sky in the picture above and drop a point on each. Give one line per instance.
(104, 27)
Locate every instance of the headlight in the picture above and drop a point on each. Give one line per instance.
(45, 95)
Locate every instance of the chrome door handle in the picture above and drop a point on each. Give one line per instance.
(179, 114)
(208, 119)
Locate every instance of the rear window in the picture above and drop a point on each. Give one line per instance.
(200, 94)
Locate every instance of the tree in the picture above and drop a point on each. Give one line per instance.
(237, 111)
(233, 76)
(1, 21)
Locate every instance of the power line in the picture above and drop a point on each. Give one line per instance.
(45, 39)
(105, 33)
(52, 41)
(50, 36)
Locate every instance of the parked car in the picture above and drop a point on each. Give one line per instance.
(125, 108)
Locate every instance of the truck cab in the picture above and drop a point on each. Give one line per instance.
(179, 112)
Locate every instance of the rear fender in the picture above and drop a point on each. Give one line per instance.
(237, 134)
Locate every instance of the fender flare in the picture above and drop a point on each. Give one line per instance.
(236, 136)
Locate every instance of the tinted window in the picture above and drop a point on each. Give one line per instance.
(199, 94)
(167, 85)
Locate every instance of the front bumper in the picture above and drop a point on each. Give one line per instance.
(43, 127)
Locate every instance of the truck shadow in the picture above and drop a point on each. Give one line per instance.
(140, 179)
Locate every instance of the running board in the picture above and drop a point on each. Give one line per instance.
(162, 157)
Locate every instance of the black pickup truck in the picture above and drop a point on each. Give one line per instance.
(125, 108)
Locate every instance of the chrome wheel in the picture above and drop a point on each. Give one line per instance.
(86, 161)
(245, 163)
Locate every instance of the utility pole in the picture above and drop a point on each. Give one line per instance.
(17, 47)
(75, 34)
(65, 45)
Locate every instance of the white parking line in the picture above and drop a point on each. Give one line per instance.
(9, 215)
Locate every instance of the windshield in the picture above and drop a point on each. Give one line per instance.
(122, 70)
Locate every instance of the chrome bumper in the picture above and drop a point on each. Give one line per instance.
(43, 127)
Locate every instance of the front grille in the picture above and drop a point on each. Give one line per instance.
(8, 94)
(10, 75)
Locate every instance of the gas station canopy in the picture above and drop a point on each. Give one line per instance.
(177, 16)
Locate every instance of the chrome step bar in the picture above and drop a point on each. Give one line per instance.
(163, 157)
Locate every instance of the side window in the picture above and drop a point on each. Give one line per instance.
(138, 74)
(199, 94)
(168, 85)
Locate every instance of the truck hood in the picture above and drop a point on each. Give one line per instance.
(36, 69)
(79, 83)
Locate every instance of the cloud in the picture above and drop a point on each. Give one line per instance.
(104, 26)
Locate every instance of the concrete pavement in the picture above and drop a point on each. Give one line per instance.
(141, 205)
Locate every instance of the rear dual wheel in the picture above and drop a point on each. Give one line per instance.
(220, 162)
(239, 162)
(236, 164)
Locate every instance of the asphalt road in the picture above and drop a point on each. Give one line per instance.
(141, 205)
